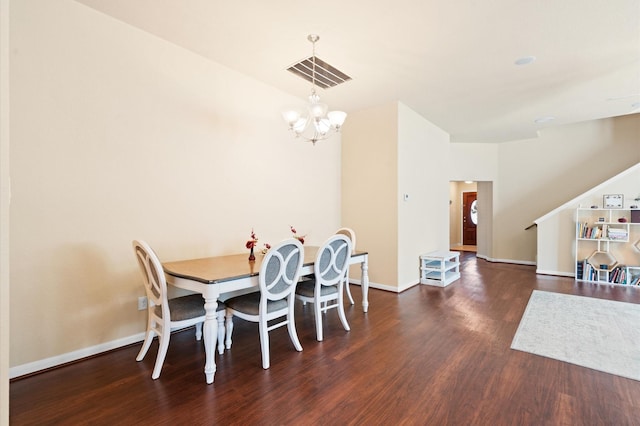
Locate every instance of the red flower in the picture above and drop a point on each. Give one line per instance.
(253, 241)
(301, 239)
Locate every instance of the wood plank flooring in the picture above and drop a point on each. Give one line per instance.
(427, 356)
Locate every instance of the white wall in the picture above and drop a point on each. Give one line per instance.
(5, 190)
(423, 220)
(473, 161)
(116, 135)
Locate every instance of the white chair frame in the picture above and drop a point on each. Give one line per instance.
(329, 274)
(350, 233)
(274, 287)
(155, 285)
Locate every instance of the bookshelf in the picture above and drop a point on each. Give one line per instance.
(439, 268)
(607, 246)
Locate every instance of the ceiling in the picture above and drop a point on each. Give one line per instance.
(452, 61)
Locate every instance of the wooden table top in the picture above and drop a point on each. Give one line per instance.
(212, 270)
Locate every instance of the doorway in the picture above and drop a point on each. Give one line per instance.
(465, 233)
(469, 218)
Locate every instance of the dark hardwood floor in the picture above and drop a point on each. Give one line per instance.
(426, 356)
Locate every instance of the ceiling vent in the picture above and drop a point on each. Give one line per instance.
(326, 75)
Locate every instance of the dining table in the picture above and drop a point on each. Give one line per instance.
(213, 277)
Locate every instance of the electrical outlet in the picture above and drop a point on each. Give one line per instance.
(142, 303)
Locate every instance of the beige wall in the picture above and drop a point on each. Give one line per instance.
(116, 135)
(370, 188)
(534, 176)
(389, 151)
(556, 252)
(5, 189)
(538, 175)
(485, 220)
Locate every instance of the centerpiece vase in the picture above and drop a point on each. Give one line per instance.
(251, 255)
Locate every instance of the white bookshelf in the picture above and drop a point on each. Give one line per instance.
(606, 246)
(439, 268)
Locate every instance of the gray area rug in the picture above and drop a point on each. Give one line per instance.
(600, 334)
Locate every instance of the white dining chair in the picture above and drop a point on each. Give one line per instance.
(278, 277)
(325, 289)
(352, 236)
(163, 314)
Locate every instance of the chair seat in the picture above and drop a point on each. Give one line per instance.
(307, 289)
(186, 307)
(250, 304)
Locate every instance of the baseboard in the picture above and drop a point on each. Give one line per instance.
(375, 285)
(555, 273)
(517, 262)
(43, 364)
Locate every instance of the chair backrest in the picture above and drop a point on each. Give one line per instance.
(280, 269)
(332, 260)
(349, 233)
(153, 277)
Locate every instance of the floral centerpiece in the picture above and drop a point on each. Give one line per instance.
(295, 235)
(265, 248)
(251, 243)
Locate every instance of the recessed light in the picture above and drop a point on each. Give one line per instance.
(525, 60)
(545, 119)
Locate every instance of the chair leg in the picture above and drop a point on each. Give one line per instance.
(145, 345)
(162, 351)
(264, 343)
(317, 309)
(346, 285)
(148, 338)
(220, 332)
(229, 324)
(199, 331)
(291, 326)
(341, 314)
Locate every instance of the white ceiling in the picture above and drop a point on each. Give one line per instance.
(452, 61)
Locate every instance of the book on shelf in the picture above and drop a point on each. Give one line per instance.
(618, 274)
(617, 234)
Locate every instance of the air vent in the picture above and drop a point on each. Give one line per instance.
(326, 75)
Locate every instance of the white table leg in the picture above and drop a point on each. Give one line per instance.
(210, 338)
(365, 284)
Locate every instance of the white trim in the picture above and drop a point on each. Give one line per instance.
(43, 364)
(556, 273)
(517, 262)
(375, 285)
(408, 286)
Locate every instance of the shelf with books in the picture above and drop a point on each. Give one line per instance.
(606, 245)
(633, 275)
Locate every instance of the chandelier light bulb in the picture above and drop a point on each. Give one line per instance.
(337, 118)
(291, 117)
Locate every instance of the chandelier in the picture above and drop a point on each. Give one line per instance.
(317, 124)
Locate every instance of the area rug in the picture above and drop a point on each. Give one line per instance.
(600, 334)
